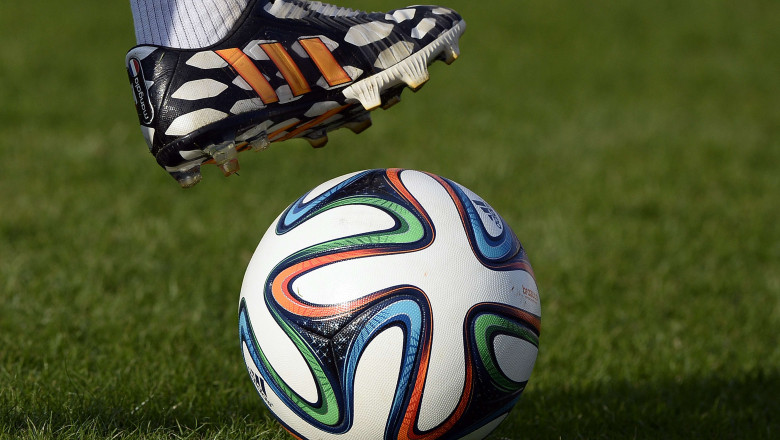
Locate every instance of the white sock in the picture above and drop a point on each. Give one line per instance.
(184, 24)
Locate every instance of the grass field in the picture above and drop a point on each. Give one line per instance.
(633, 146)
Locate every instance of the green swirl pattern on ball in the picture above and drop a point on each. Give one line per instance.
(409, 229)
(486, 327)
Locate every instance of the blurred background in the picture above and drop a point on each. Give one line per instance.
(633, 146)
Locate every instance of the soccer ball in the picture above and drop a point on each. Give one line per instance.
(389, 304)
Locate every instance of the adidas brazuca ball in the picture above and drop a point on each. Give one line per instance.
(389, 304)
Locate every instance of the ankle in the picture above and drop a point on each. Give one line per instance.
(184, 24)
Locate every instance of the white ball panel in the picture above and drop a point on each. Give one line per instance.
(525, 295)
(280, 350)
(254, 373)
(276, 404)
(330, 225)
(515, 357)
(443, 269)
(375, 383)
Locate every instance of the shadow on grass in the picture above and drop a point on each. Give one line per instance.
(694, 407)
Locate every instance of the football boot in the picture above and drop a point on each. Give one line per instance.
(288, 69)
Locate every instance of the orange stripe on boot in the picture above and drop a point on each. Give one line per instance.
(314, 122)
(331, 70)
(245, 67)
(290, 71)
